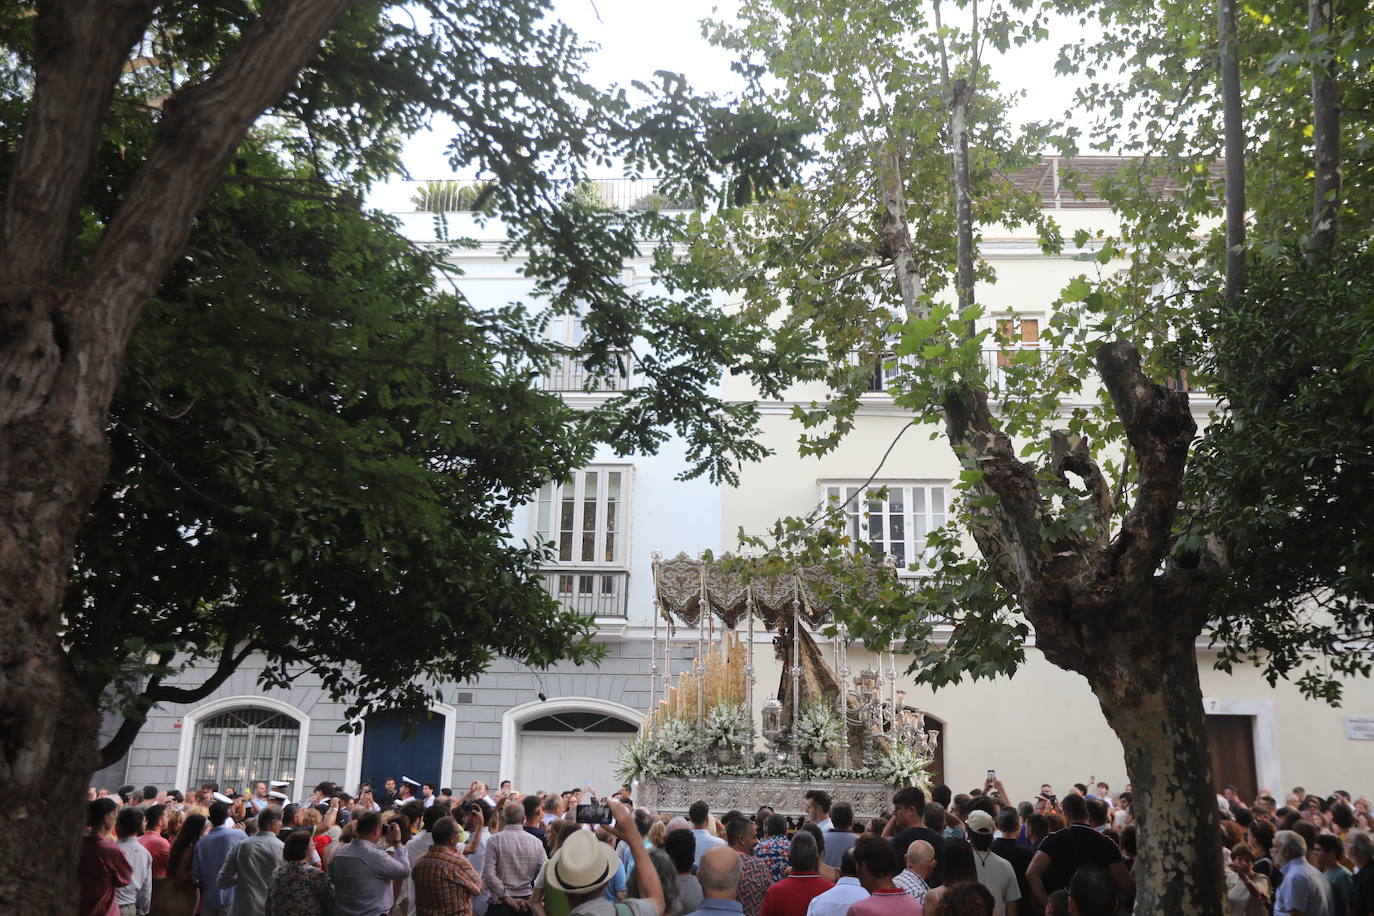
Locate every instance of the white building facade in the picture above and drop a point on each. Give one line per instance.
(562, 728)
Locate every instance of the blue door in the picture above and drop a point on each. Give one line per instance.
(389, 749)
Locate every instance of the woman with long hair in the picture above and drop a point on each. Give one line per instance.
(959, 868)
(176, 894)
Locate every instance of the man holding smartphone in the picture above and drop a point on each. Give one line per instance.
(364, 870)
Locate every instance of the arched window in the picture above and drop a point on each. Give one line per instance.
(585, 722)
(239, 746)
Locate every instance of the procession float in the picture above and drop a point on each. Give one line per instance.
(826, 727)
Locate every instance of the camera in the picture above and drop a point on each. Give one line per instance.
(594, 813)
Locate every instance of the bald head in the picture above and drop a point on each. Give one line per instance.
(719, 873)
(920, 858)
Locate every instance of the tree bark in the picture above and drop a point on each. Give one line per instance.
(61, 347)
(1158, 716)
(963, 199)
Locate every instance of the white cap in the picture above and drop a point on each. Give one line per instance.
(277, 783)
(407, 779)
(220, 796)
(277, 795)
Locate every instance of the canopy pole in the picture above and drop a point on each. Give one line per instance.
(796, 669)
(842, 672)
(749, 675)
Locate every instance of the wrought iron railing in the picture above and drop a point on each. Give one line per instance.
(597, 592)
(571, 374)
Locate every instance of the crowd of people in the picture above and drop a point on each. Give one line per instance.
(410, 849)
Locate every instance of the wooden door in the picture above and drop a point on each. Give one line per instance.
(1233, 754)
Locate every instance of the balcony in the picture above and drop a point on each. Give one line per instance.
(594, 592)
(570, 374)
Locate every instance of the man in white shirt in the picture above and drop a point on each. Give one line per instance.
(251, 863)
(700, 816)
(363, 871)
(818, 809)
(836, 901)
(136, 897)
(994, 872)
(1304, 891)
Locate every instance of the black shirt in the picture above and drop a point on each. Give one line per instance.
(1019, 855)
(901, 841)
(1075, 845)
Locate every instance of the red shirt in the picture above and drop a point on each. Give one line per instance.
(102, 869)
(886, 901)
(791, 895)
(159, 849)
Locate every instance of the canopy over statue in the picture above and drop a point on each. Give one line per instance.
(820, 725)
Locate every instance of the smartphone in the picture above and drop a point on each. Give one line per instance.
(594, 813)
(992, 775)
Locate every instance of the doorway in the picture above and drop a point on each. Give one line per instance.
(1232, 740)
(393, 749)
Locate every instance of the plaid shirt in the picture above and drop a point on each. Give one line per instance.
(512, 864)
(445, 883)
(754, 881)
(913, 884)
(773, 851)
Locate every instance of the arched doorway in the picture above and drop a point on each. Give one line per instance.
(383, 747)
(235, 741)
(565, 743)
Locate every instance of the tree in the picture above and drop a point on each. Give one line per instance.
(314, 458)
(1115, 563)
(341, 84)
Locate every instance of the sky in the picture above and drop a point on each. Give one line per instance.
(637, 37)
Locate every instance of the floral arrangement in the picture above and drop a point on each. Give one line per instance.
(642, 756)
(902, 765)
(678, 736)
(725, 726)
(817, 728)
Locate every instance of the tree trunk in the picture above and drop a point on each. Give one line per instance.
(1158, 716)
(47, 725)
(62, 342)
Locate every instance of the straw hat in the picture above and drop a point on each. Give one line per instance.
(582, 864)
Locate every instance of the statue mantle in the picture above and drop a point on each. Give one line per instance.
(675, 795)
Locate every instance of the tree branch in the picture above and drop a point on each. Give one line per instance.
(1160, 428)
(80, 49)
(1011, 540)
(155, 693)
(896, 234)
(1069, 453)
(201, 126)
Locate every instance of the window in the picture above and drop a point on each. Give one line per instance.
(1015, 334)
(240, 746)
(581, 723)
(585, 519)
(896, 526)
